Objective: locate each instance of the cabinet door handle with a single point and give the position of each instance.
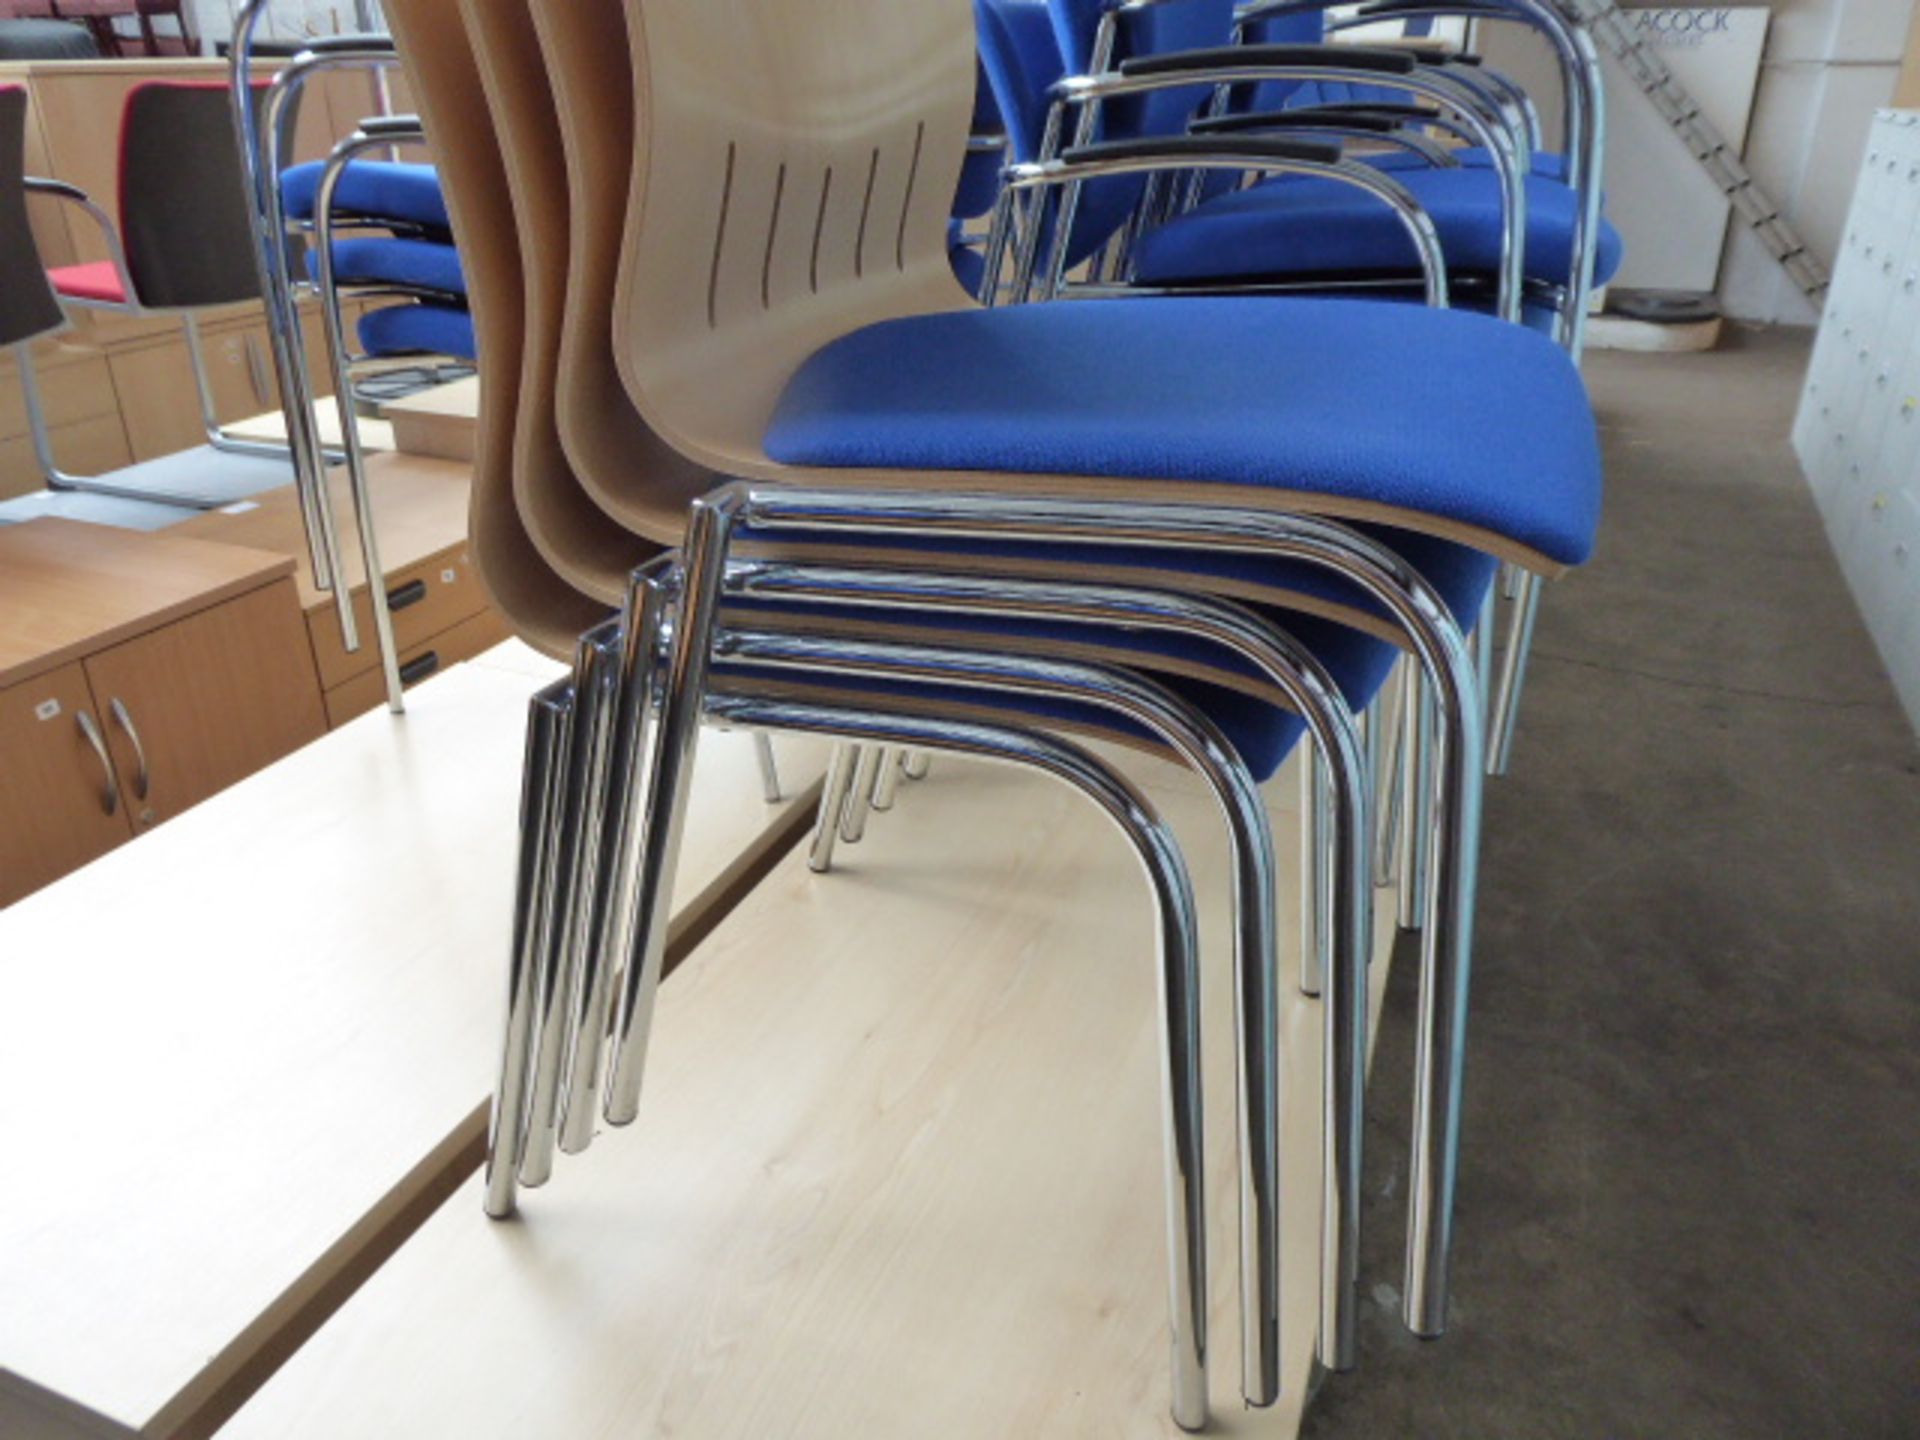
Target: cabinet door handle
(117, 708)
(110, 784)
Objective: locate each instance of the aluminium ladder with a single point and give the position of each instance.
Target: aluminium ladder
(1612, 28)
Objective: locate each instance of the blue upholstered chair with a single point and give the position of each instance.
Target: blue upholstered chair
(1324, 229)
(974, 485)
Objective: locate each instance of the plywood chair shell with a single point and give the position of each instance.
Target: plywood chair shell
(578, 537)
(543, 607)
(636, 476)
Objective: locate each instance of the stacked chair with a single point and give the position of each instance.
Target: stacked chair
(750, 455)
(398, 248)
(1519, 235)
(181, 247)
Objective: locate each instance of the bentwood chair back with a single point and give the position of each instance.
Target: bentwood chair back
(645, 484)
(544, 606)
(569, 522)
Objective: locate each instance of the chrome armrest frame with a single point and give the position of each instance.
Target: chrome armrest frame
(1087, 92)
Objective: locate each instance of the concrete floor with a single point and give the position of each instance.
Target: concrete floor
(1691, 1195)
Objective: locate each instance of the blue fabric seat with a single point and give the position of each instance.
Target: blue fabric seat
(381, 189)
(1300, 227)
(418, 330)
(1437, 412)
(389, 260)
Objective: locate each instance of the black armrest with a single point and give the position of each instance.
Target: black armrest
(1392, 110)
(336, 44)
(1459, 57)
(399, 127)
(1230, 57)
(1205, 147)
(1305, 118)
(42, 185)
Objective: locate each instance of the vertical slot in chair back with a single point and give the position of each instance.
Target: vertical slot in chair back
(794, 172)
(183, 200)
(28, 306)
(546, 611)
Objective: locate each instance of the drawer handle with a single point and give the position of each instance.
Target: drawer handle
(117, 708)
(411, 593)
(419, 668)
(110, 786)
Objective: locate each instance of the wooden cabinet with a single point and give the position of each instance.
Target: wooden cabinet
(440, 610)
(139, 674)
(198, 704)
(82, 414)
(61, 803)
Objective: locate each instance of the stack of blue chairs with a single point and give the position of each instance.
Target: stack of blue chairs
(403, 246)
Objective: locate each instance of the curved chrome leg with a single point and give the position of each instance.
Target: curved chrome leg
(1383, 738)
(540, 786)
(630, 671)
(1205, 750)
(853, 814)
(769, 767)
(1178, 973)
(1458, 763)
(887, 781)
(676, 736)
(1513, 674)
(833, 800)
(1297, 674)
(579, 820)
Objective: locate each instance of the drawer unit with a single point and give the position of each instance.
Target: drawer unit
(425, 599)
(462, 641)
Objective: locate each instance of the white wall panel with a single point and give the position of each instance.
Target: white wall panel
(1857, 431)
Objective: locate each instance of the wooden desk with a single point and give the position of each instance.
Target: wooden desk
(440, 422)
(896, 1172)
(239, 1060)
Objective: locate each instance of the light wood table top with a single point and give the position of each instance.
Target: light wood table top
(896, 1172)
(248, 1052)
(272, 425)
(442, 421)
(68, 588)
(419, 508)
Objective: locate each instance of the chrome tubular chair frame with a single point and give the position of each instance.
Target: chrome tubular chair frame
(1311, 693)
(1449, 783)
(1492, 132)
(563, 749)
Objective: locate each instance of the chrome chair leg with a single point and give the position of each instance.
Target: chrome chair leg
(610, 918)
(914, 764)
(1383, 770)
(1513, 674)
(833, 800)
(769, 767)
(1205, 750)
(541, 782)
(1416, 800)
(887, 781)
(579, 817)
(675, 738)
(1178, 974)
(853, 814)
